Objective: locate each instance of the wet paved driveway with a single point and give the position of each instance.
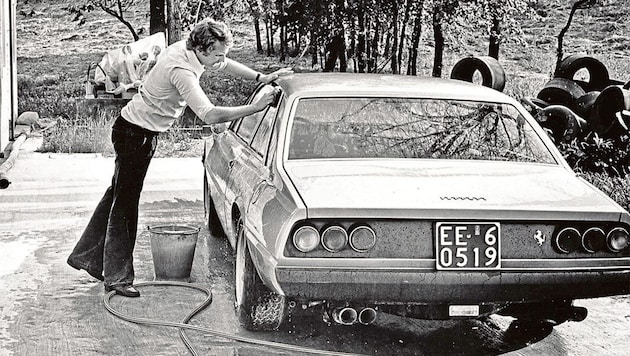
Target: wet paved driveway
(47, 308)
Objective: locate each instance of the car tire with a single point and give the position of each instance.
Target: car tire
(598, 74)
(584, 104)
(533, 105)
(564, 124)
(603, 118)
(257, 307)
(561, 91)
(492, 72)
(212, 221)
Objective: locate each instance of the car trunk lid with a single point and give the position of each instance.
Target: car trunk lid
(445, 189)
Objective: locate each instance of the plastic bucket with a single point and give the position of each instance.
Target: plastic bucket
(173, 249)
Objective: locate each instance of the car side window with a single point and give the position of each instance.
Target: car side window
(248, 124)
(260, 143)
(246, 129)
(235, 124)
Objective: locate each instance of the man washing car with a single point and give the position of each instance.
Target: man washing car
(105, 249)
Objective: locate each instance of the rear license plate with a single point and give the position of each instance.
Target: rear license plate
(468, 245)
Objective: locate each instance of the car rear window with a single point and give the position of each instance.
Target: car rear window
(413, 128)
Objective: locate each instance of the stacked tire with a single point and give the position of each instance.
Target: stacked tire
(491, 72)
(569, 108)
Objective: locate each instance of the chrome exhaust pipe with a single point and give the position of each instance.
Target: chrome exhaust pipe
(367, 316)
(344, 316)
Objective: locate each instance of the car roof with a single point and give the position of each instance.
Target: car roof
(358, 84)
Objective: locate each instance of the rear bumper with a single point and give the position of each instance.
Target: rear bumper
(430, 287)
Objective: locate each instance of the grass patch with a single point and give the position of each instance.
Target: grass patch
(80, 135)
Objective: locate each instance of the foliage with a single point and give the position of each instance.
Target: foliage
(617, 188)
(117, 9)
(49, 95)
(377, 32)
(89, 135)
(478, 16)
(193, 11)
(596, 155)
(79, 135)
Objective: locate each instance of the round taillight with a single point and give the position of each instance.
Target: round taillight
(568, 240)
(334, 238)
(618, 239)
(306, 239)
(593, 240)
(362, 238)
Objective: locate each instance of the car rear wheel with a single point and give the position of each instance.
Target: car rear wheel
(210, 212)
(257, 307)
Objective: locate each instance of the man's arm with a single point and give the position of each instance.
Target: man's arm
(246, 72)
(220, 114)
(192, 93)
(241, 70)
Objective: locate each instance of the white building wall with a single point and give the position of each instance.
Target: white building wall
(8, 71)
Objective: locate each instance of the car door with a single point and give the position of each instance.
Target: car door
(261, 181)
(221, 156)
(224, 150)
(243, 169)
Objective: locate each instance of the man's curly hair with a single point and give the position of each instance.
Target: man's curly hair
(207, 33)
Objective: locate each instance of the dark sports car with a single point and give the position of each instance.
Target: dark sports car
(425, 197)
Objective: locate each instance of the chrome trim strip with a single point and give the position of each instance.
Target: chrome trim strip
(433, 270)
(585, 264)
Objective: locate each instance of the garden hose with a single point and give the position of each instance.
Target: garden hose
(184, 324)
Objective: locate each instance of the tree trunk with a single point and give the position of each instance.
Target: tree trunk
(438, 37)
(157, 13)
(283, 42)
(272, 47)
(352, 52)
(314, 49)
(283, 31)
(268, 35)
(174, 21)
(403, 30)
(495, 32)
(259, 47)
(394, 61)
(412, 64)
(560, 51)
(361, 48)
(374, 48)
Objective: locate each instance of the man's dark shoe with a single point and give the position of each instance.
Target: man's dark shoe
(97, 275)
(125, 291)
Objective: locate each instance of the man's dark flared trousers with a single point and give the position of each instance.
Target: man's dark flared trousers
(108, 241)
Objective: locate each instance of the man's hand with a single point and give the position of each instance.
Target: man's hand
(267, 99)
(268, 78)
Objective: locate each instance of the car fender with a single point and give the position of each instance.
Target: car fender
(264, 260)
